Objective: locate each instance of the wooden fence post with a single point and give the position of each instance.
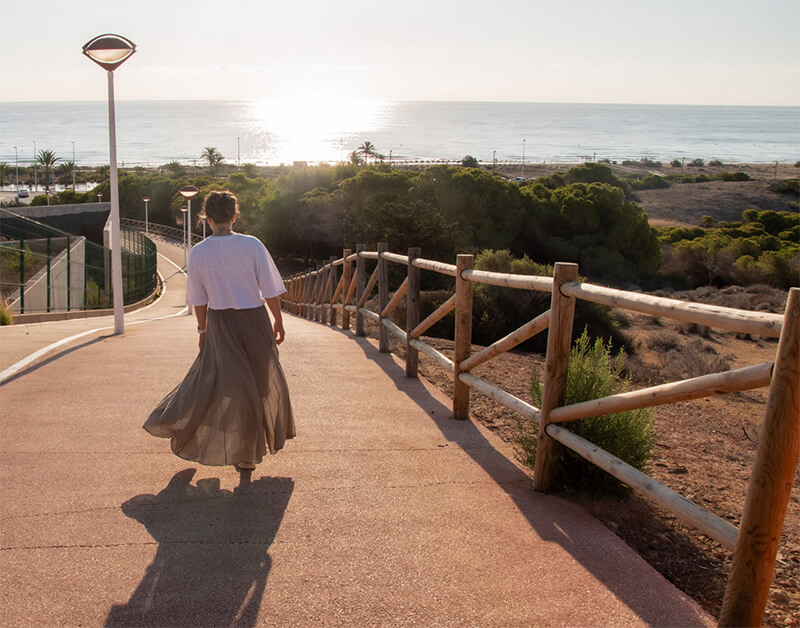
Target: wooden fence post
(333, 280)
(770, 483)
(383, 296)
(559, 341)
(360, 286)
(463, 335)
(308, 282)
(319, 289)
(346, 270)
(323, 294)
(412, 311)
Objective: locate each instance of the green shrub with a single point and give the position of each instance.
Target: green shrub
(468, 161)
(594, 373)
(787, 186)
(5, 314)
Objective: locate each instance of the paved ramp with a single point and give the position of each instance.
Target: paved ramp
(383, 511)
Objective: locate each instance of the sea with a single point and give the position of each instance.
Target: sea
(154, 133)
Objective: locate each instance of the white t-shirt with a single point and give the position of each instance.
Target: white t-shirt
(231, 272)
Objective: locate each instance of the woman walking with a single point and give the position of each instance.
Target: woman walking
(233, 405)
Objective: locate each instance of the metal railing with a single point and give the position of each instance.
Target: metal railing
(43, 269)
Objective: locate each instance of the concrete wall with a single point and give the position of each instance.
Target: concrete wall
(86, 219)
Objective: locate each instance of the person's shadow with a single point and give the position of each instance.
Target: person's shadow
(212, 563)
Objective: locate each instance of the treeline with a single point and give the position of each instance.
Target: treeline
(585, 215)
(763, 248)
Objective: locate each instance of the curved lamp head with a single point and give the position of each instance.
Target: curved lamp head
(109, 51)
(188, 191)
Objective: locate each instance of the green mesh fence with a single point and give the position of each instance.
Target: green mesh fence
(43, 269)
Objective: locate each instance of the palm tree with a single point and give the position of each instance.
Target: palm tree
(212, 156)
(64, 172)
(355, 158)
(47, 159)
(368, 150)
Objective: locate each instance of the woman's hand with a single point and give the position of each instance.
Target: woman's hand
(278, 330)
(201, 341)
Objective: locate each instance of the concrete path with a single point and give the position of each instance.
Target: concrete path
(383, 511)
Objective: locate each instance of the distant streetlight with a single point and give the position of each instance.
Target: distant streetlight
(73, 166)
(109, 52)
(185, 211)
(35, 178)
(523, 159)
(16, 167)
(189, 192)
(146, 200)
(99, 196)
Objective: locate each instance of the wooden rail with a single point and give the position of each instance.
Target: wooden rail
(321, 294)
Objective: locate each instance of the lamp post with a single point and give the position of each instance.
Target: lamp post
(35, 177)
(99, 197)
(73, 166)
(188, 192)
(185, 210)
(146, 200)
(109, 52)
(523, 159)
(16, 167)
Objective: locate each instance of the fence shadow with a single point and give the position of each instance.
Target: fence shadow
(212, 562)
(553, 519)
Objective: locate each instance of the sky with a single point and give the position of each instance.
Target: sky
(706, 52)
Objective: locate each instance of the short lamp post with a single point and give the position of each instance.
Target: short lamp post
(185, 210)
(188, 192)
(16, 168)
(146, 200)
(109, 52)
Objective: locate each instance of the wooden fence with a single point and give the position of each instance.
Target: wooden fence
(334, 294)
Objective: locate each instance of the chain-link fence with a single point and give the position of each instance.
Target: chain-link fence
(43, 269)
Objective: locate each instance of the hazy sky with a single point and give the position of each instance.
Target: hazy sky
(728, 52)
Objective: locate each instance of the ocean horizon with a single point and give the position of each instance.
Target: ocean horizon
(154, 133)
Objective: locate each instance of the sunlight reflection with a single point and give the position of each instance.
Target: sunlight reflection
(312, 127)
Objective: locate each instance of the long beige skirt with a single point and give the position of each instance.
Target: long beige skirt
(233, 405)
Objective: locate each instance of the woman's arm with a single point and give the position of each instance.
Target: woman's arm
(201, 314)
(274, 305)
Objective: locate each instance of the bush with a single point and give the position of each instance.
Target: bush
(5, 314)
(594, 373)
(468, 161)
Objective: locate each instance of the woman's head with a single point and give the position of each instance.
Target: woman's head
(220, 207)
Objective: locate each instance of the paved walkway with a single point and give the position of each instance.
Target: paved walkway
(383, 511)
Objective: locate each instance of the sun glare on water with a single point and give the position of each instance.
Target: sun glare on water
(311, 127)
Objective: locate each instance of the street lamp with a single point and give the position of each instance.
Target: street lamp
(109, 52)
(73, 166)
(99, 197)
(523, 159)
(185, 210)
(16, 167)
(146, 200)
(189, 192)
(35, 178)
